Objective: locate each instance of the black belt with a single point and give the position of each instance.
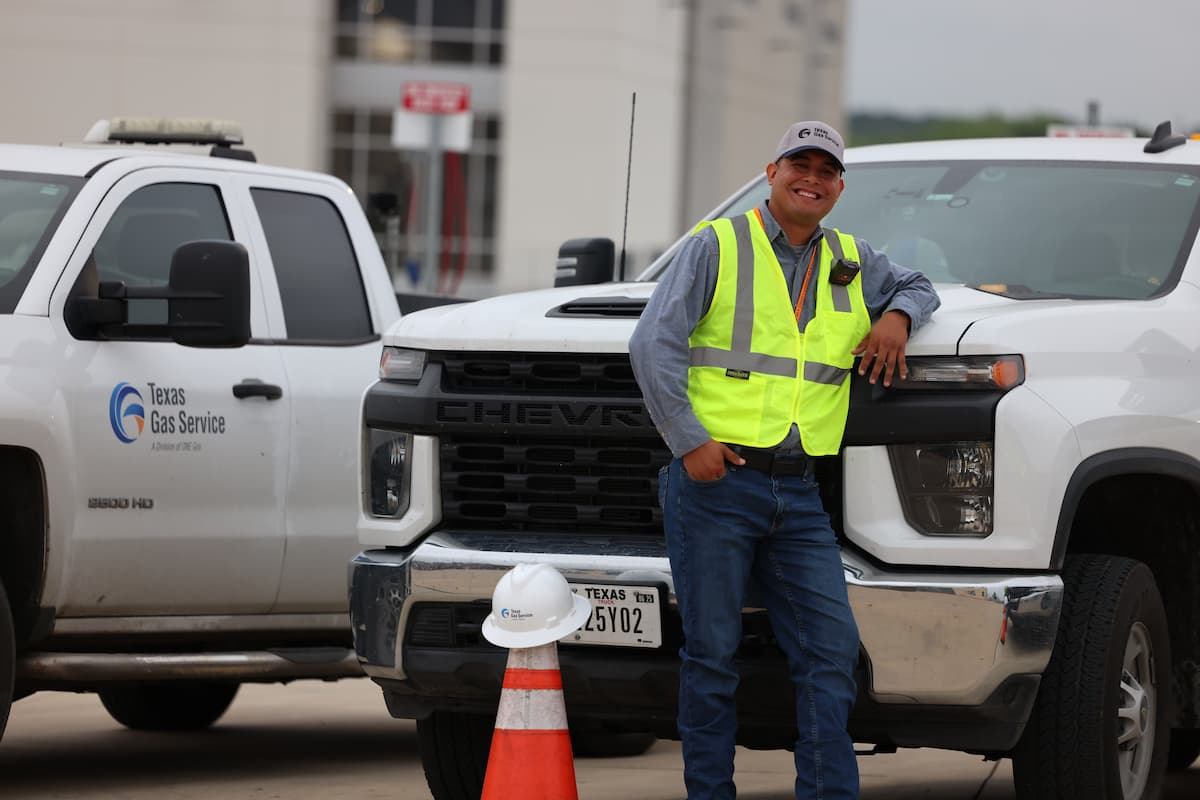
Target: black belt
(772, 461)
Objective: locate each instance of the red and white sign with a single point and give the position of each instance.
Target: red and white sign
(435, 97)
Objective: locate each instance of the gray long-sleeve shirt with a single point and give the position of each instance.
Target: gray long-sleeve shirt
(658, 348)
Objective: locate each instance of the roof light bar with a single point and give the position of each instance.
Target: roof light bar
(163, 130)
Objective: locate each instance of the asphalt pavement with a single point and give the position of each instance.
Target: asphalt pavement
(310, 740)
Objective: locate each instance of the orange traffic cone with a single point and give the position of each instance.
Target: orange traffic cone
(532, 608)
(531, 756)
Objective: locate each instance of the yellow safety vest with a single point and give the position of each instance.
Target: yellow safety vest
(743, 380)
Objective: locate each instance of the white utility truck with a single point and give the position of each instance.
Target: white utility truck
(184, 343)
(1020, 518)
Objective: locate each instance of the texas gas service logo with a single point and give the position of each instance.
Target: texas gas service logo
(126, 412)
(515, 614)
(166, 417)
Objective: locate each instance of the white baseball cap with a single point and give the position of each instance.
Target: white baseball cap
(812, 135)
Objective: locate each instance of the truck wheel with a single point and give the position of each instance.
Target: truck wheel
(1185, 749)
(8, 660)
(167, 706)
(454, 752)
(1101, 724)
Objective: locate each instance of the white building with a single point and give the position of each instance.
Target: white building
(315, 83)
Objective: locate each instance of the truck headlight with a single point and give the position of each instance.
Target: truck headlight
(388, 472)
(401, 364)
(945, 488)
(957, 373)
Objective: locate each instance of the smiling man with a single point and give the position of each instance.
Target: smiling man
(743, 355)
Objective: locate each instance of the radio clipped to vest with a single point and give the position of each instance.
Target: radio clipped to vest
(842, 272)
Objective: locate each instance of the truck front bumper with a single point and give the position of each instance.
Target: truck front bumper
(948, 660)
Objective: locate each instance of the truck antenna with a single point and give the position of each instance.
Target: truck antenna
(628, 173)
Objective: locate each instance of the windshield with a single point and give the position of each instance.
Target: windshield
(1024, 230)
(30, 208)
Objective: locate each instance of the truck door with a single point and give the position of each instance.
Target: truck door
(180, 481)
(330, 349)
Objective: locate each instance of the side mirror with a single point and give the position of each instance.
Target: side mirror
(209, 300)
(583, 262)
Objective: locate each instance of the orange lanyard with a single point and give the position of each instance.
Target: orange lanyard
(804, 287)
(807, 273)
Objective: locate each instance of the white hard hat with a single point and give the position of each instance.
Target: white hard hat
(532, 606)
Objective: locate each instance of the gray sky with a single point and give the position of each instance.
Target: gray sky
(1139, 59)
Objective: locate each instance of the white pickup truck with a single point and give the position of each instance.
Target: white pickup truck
(1020, 519)
(178, 425)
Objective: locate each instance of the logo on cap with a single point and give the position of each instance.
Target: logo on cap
(809, 134)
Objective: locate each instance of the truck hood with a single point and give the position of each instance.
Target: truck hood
(600, 319)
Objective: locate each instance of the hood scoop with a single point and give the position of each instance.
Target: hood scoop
(601, 307)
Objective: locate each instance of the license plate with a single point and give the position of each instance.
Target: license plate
(623, 615)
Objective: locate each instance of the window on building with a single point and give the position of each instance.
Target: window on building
(421, 31)
(434, 34)
(318, 275)
(391, 183)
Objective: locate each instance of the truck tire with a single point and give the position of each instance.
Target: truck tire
(454, 752)
(1100, 727)
(8, 659)
(1185, 749)
(168, 706)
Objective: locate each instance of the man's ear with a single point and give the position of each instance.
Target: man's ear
(772, 168)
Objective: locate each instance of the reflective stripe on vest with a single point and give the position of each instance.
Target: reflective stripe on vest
(743, 381)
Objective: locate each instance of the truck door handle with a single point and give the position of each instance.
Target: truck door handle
(253, 387)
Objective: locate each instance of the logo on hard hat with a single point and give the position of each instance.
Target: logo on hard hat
(515, 613)
(804, 132)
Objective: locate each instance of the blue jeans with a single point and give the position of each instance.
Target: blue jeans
(772, 530)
